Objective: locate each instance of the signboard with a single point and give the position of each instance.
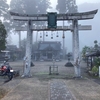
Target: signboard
(52, 20)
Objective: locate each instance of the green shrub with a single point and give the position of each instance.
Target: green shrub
(95, 69)
(97, 62)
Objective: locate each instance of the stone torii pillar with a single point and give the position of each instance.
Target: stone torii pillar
(76, 50)
(28, 50)
(75, 39)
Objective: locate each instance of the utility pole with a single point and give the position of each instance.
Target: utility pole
(19, 34)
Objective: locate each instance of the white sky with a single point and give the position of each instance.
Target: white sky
(90, 1)
(77, 1)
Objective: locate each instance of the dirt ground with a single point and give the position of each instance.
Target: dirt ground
(38, 86)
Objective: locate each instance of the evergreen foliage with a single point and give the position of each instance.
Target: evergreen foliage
(3, 35)
(4, 13)
(66, 6)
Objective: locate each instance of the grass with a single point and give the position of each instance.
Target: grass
(46, 76)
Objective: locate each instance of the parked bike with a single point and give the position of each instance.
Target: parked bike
(6, 70)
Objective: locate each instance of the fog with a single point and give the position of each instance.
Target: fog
(86, 37)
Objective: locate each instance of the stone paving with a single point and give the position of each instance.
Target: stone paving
(59, 91)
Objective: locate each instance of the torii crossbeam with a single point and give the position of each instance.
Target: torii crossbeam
(43, 17)
(59, 28)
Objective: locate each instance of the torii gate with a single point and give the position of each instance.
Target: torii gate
(43, 17)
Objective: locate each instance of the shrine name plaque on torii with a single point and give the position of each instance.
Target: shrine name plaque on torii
(60, 17)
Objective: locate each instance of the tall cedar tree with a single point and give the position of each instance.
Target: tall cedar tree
(3, 8)
(66, 6)
(3, 35)
(4, 13)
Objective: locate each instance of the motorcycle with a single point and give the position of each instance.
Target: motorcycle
(6, 70)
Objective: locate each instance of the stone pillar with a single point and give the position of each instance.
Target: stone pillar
(28, 50)
(76, 46)
(75, 39)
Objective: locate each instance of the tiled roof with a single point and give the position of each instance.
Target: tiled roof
(49, 46)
